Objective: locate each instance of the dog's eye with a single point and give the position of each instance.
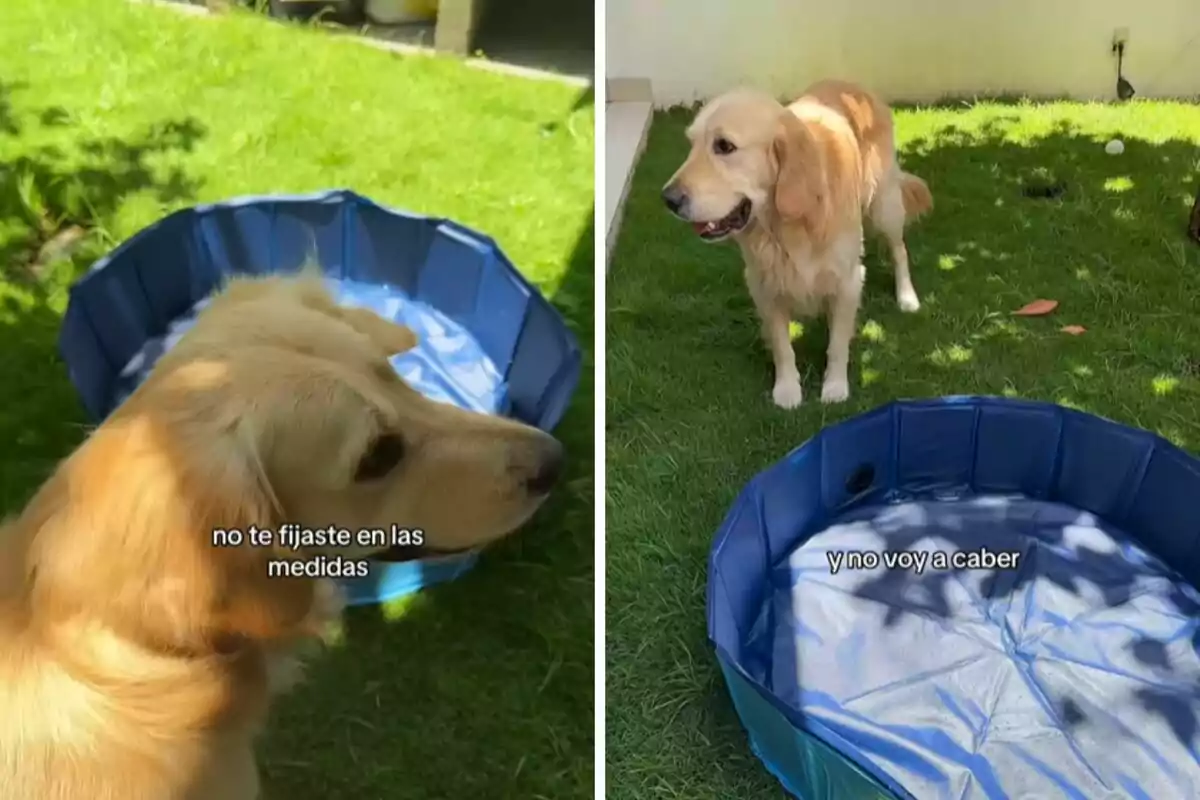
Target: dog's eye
(383, 456)
(723, 147)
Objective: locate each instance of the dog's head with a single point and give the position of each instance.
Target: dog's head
(277, 407)
(347, 442)
(750, 158)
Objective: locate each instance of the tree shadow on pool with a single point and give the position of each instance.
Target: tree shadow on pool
(1063, 552)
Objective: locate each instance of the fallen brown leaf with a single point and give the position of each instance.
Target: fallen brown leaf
(1038, 308)
(1074, 330)
(61, 244)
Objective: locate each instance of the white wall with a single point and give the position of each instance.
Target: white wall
(905, 49)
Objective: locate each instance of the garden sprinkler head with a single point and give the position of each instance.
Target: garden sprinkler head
(1125, 89)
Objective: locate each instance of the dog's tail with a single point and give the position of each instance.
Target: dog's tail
(918, 200)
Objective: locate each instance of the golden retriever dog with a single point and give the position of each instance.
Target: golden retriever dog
(791, 184)
(137, 659)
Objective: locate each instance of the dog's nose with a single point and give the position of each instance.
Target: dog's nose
(675, 199)
(548, 468)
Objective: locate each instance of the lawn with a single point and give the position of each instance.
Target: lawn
(111, 115)
(690, 418)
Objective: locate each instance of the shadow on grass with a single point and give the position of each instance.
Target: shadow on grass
(585, 99)
(54, 205)
(48, 192)
(9, 126)
(1115, 239)
(553, 35)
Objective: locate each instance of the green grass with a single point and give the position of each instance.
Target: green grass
(690, 418)
(113, 114)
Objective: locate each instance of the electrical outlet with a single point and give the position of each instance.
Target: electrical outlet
(1120, 36)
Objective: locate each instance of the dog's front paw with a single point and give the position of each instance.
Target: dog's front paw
(908, 301)
(787, 393)
(835, 390)
(328, 605)
(285, 669)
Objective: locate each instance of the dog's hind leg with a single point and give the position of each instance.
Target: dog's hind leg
(888, 214)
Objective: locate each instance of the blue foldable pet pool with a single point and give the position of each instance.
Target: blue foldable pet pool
(488, 340)
(967, 598)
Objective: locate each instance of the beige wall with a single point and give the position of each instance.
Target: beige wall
(457, 22)
(905, 49)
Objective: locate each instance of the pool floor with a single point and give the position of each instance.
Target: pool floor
(991, 647)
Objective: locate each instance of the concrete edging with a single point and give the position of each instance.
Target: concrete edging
(627, 117)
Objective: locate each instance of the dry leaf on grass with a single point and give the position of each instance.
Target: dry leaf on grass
(1038, 308)
(1074, 330)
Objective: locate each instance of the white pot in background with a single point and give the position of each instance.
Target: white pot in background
(395, 12)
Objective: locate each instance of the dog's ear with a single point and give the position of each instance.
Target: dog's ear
(251, 601)
(129, 532)
(800, 190)
(392, 337)
(307, 288)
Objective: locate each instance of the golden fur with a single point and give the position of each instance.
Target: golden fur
(138, 660)
(792, 186)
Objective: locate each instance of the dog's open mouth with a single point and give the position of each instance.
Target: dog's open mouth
(731, 223)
